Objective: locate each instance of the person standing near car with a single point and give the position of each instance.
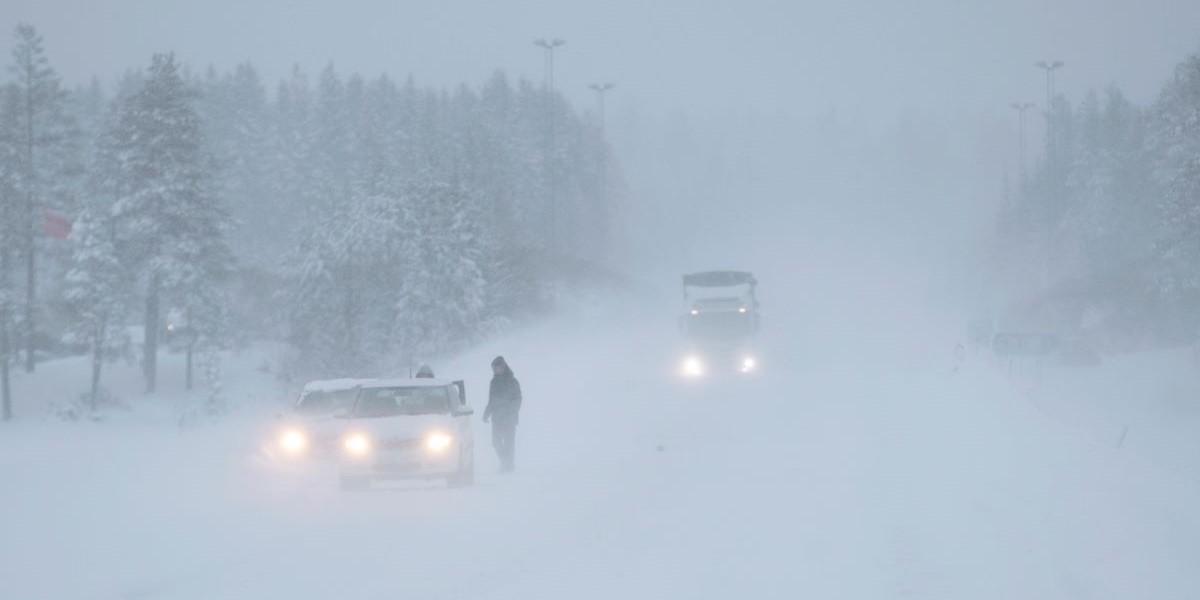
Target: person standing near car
(503, 409)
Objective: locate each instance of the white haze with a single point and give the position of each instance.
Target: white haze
(853, 155)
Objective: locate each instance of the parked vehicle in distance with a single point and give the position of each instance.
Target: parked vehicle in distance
(311, 428)
(720, 325)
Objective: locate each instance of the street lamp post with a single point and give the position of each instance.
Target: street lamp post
(1054, 177)
(548, 47)
(1021, 107)
(1050, 66)
(601, 89)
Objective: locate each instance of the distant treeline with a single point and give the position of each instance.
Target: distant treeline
(1103, 239)
(368, 222)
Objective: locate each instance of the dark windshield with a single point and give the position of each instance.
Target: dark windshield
(384, 402)
(319, 402)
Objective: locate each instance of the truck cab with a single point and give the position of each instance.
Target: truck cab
(720, 323)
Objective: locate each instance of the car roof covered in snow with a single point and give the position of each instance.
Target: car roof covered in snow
(333, 385)
(405, 382)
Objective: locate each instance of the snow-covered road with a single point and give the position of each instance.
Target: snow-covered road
(842, 480)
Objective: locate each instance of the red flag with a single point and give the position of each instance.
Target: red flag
(55, 224)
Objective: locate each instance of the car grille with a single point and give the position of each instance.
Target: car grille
(409, 444)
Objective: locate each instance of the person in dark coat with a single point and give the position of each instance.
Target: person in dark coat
(503, 411)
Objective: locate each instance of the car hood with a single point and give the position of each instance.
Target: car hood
(399, 426)
(326, 423)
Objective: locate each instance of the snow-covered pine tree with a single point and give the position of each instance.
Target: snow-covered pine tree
(441, 300)
(234, 115)
(290, 149)
(343, 273)
(46, 138)
(9, 174)
(1104, 217)
(328, 157)
(96, 291)
(168, 213)
(1174, 143)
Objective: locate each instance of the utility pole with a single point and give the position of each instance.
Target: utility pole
(1021, 107)
(601, 89)
(1050, 66)
(548, 47)
(1054, 177)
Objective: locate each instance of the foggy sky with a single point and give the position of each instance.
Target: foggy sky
(741, 127)
(858, 56)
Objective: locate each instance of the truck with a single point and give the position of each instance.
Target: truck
(720, 324)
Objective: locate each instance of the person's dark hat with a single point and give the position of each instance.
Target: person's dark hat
(500, 362)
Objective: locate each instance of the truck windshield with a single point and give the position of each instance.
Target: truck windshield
(386, 402)
(321, 402)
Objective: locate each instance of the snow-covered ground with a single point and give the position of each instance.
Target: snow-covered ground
(868, 478)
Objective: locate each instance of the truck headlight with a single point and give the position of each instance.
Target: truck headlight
(438, 442)
(693, 366)
(357, 444)
(293, 441)
(749, 364)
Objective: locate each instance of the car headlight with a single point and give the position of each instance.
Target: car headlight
(293, 441)
(438, 442)
(693, 366)
(357, 444)
(749, 364)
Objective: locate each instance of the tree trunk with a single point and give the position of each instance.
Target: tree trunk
(28, 237)
(5, 340)
(97, 362)
(150, 345)
(191, 345)
(5, 391)
(190, 351)
(30, 296)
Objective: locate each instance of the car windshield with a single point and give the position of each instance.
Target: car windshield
(384, 402)
(320, 402)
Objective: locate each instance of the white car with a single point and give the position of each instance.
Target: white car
(407, 429)
(311, 428)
